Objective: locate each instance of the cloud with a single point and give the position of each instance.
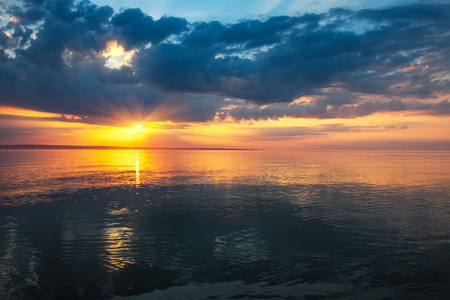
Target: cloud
(320, 109)
(135, 29)
(299, 132)
(248, 34)
(305, 57)
(51, 59)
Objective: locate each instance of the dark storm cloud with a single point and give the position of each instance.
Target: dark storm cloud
(51, 60)
(247, 33)
(104, 96)
(63, 72)
(306, 57)
(78, 92)
(3, 57)
(6, 41)
(29, 13)
(81, 28)
(319, 109)
(135, 29)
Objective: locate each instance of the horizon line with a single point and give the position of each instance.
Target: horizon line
(93, 147)
(98, 147)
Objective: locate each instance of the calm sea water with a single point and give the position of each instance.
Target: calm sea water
(100, 224)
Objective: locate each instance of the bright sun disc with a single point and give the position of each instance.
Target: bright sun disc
(138, 125)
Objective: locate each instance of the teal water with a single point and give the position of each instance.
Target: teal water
(101, 224)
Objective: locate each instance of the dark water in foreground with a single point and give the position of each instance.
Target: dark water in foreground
(100, 224)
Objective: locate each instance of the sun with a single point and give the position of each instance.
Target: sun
(138, 126)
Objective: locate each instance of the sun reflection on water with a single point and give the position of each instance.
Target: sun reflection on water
(32, 173)
(117, 247)
(138, 174)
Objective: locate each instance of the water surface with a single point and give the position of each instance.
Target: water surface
(100, 224)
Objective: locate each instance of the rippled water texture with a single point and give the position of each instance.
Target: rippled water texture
(99, 224)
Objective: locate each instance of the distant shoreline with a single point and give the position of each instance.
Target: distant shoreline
(66, 147)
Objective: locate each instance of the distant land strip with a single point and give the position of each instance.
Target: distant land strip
(117, 147)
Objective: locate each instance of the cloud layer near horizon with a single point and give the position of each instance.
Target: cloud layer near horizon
(341, 63)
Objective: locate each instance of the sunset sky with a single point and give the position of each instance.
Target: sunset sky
(249, 74)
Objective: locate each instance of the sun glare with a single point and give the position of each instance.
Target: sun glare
(138, 126)
(116, 55)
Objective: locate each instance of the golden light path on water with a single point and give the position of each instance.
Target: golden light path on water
(23, 175)
(138, 174)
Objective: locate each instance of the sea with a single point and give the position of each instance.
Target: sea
(212, 224)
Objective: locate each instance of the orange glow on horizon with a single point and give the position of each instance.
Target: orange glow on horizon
(379, 130)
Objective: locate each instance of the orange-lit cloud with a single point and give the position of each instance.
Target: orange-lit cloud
(14, 19)
(7, 34)
(14, 111)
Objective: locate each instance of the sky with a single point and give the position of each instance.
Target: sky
(311, 75)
